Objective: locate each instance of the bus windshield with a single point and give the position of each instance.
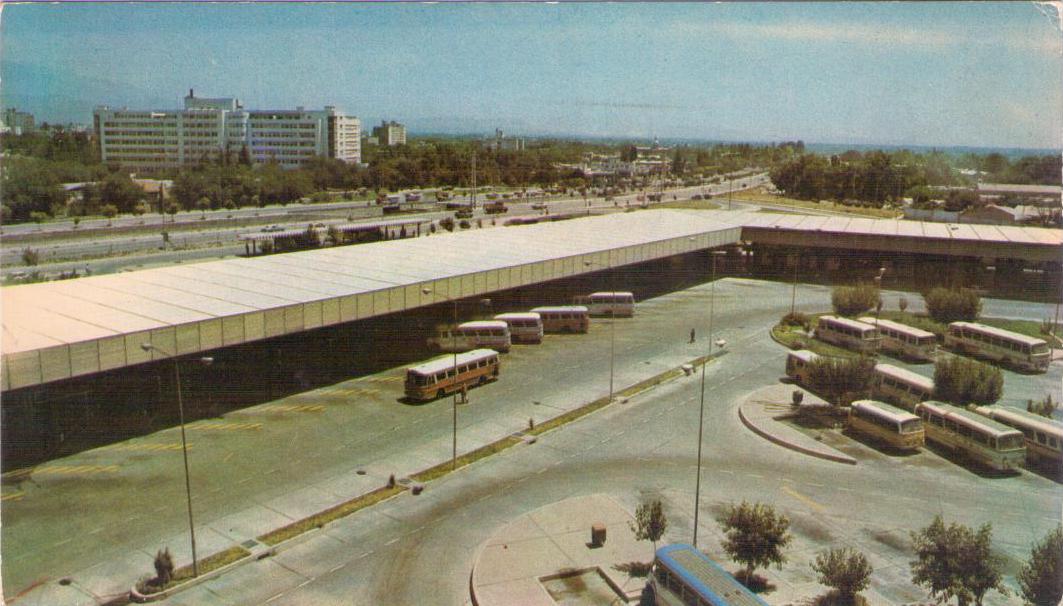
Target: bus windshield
(911, 426)
(1009, 442)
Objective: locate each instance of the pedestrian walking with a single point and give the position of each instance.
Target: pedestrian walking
(691, 335)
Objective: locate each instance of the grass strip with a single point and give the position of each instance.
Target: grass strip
(329, 515)
(795, 338)
(207, 564)
(468, 458)
(759, 196)
(695, 204)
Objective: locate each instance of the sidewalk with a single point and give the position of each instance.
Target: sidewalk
(763, 410)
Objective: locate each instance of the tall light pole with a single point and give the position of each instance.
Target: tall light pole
(793, 291)
(184, 443)
(454, 406)
(701, 408)
(878, 286)
(612, 323)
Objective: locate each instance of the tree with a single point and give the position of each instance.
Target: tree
(841, 380)
(854, 300)
(756, 536)
(947, 305)
(118, 189)
(650, 523)
(963, 381)
(163, 567)
(1044, 407)
(109, 210)
(629, 153)
(1041, 578)
(955, 562)
(959, 200)
(31, 256)
(845, 570)
(902, 304)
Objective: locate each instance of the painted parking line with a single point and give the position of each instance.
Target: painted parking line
(64, 470)
(806, 500)
(144, 447)
(387, 379)
(222, 426)
(12, 496)
(272, 408)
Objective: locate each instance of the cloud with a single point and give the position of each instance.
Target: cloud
(1046, 42)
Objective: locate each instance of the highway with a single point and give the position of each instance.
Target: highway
(259, 467)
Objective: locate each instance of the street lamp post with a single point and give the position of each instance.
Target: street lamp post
(701, 407)
(612, 324)
(793, 291)
(184, 444)
(878, 286)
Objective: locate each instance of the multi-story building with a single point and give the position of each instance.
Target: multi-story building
(18, 123)
(503, 143)
(207, 129)
(390, 133)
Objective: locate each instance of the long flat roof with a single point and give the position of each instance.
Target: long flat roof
(57, 330)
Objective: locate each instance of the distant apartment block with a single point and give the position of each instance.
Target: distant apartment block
(390, 133)
(503, 143)
(18, 123)
(207, 129)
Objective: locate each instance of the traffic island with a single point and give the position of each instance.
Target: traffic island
(578, 549)
(765, 410)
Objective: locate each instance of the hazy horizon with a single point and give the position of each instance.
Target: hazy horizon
(900, 75)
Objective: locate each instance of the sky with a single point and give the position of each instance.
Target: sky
(948, 74)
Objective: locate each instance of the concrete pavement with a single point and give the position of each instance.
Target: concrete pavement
(764, 411)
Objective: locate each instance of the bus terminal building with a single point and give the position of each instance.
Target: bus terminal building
(74, 357)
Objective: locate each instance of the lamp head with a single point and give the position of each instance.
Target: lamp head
(147, 346)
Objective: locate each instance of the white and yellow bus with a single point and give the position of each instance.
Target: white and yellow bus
(447, 374)
(1044, 437)
(900, 386)
(683, 576)
(1028, 353)
(895, 427)
(613, 304)
(493, 334)
(847, 333)
(980, 438)
(524, 327)
(904, 340)
(797, 363)
(564, 318)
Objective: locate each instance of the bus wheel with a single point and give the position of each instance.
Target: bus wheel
(440, 393)
(483, 379)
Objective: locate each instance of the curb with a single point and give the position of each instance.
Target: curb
(143, 598)
(837, 458)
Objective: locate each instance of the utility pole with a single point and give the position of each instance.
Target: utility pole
(473, 178)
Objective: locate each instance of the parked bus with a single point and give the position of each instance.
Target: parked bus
(1028, 353)
(797, 363)
(1044, 436)
(523, 327)
(565, 318)
(904, 340)
(847, 333)
(901, 386)
(895, 427)
(496, 207)
(471, 335)
(451, 373)
(613, 304)
(413, 197)
(992, 444)
(683, 576)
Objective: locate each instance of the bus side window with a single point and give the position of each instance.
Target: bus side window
(1040, 438)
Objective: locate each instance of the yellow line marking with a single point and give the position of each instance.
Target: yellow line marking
(142, 447)
(13, 496)
(284, 408)
(225, 426)
(800, 497)
(74, 470)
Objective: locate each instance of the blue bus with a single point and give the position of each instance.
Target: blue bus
(683, 576)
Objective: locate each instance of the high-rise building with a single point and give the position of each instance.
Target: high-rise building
(207, 129)
(503, 143)
(18, 123)
(390, 133)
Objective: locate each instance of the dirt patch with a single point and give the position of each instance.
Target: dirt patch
(810, 528)
(894, 539)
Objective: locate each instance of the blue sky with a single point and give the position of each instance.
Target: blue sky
(890, 73)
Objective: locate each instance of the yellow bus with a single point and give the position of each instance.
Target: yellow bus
(847, 333)
(564, 318)
(894, 427)
(1028, 353)
(446, 374)
(1044, 437)
(900, 386)
(493, 334)
(524, 327)
(797, 363)
(613, 304)
(904, 340)
(982, 439)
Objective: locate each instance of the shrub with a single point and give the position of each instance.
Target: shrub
(963, 381)
(953, 304)
(163, 566)
(109, 210)
(1048, 327)
(841, 380)
(853, 300)
(464, 224)
(845, 570)
(796, 319)
(797, 397)
(38, 216)
(447, 223)
(31, 256)
(1044, 407)
(902, 304)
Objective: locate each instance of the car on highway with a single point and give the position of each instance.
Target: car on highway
(272, 228)
(464, 213)
(539, 206)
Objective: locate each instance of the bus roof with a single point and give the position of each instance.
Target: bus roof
(561, 309)
(968, 418)
(905, 375)
(483, 324)
(804, 354)
(448, 361)
(847, 322)
(519, 315)
(1017, 416)
(1000, 333)
(615, 293)
(902, 328)
(704, 575)
(885, 411)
